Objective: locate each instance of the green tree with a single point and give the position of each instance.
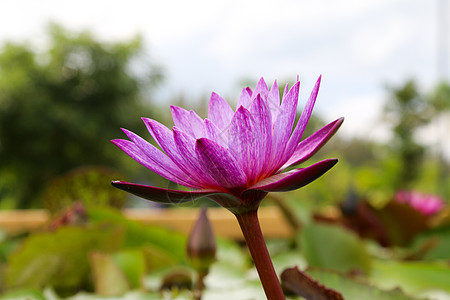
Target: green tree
(407, 110)
(60, 107)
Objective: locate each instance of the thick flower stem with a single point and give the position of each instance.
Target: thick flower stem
(255, 241)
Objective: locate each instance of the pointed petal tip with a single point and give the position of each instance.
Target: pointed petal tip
(318, 81)
(126, 131)
(115, 141)
(295, 179)
(337, 124)
(115, 183)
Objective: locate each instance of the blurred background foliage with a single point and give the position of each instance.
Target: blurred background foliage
(61, 104)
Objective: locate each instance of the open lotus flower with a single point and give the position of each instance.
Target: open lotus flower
(234, 158)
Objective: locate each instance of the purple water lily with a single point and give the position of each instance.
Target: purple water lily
(426, 204)
(234, 157)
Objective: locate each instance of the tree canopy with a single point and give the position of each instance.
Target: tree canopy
(60, 106)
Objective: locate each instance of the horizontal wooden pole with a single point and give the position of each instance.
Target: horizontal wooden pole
(272, 221)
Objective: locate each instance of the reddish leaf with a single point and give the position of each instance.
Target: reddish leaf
(299, 283)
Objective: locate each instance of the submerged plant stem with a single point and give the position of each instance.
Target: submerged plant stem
(255, 241)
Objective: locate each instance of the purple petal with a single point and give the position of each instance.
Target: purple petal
(182, 119)
(286, 90)
(160, 133)
(294, 179)
(282, 126)
(186, 147)
(263, 123)
(219, 111)
(152, 158)
(261, 88)
(197, 124)
(212, 132)
(273, 100)
(303, 121)
(220, 164)
(245, 99)
(245, 142)
(309, 146)
(161, 195)
(164, 137)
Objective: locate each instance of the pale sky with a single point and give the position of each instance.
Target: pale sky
(205, 46)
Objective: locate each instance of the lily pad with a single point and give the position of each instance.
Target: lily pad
(353, 289)
(413, 277)
(59, 258)
(334, 247)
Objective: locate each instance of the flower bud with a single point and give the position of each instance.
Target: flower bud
(201, 246)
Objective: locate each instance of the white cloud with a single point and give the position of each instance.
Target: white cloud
(363, 115)
(373, 44)
(210, 45)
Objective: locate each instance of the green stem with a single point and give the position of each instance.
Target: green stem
(255, 241)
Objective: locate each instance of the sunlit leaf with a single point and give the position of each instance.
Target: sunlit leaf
(413, 277)
(353, 289)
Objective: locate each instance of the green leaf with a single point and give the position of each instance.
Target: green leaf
(133, 295)
(287, 259)
(333, 247)
(133, 265)
(137, 235)
(23, 295)
(413, 277)
(439, 239)
(157, 258)
(353, 289)
(60, 258)
(136, 263)
(109, 280)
